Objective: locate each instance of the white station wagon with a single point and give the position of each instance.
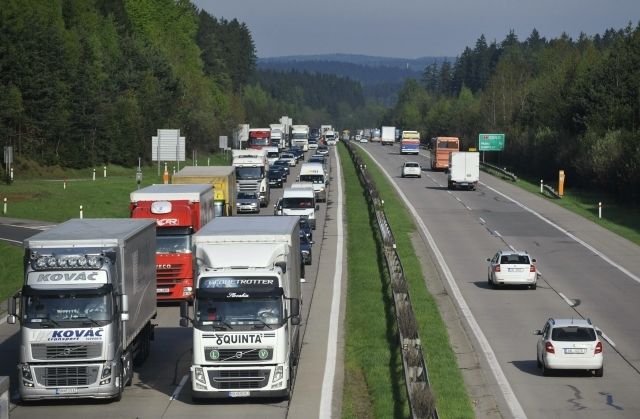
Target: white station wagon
(509, 267)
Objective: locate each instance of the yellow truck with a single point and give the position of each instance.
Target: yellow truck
(223, 179)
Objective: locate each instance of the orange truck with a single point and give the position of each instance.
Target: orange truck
(441, 148)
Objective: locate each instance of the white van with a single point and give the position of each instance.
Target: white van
(315, 174)
(300, 200)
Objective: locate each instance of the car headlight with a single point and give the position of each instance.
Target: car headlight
(305, 252)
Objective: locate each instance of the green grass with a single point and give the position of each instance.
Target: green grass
(374, 381)
(10, 270)
(452, 400)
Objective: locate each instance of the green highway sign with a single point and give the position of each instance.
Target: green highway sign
(491, 142)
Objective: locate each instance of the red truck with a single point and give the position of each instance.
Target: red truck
(259, 138)
(179, 211)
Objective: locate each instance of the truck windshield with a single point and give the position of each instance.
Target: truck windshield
(312, 178)
(300, 136)
(293, 203)
(239, 313)
(259, 141)
(54, 310)
(168, 241)
(245, 173)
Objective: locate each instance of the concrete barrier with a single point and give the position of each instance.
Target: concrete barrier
(4, 397)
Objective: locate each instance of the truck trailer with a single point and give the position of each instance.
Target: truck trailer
(179, 211)
(86, 306)
(221, 178)
(247, 307)
(388, 136)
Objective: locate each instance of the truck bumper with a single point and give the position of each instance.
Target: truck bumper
(239, 382)
(173, 291)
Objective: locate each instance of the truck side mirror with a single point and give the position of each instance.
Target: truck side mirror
(184, 311)
(537, 332)
(184, 322)
(124, 304)
(317, 207)
(295, 308)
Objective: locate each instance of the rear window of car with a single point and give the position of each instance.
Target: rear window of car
(573, 334)
(515, 259)
(411, 165)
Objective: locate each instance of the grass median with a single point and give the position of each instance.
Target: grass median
(452, 400)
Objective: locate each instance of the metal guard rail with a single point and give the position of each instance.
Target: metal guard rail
(490, 167)
(421, 400)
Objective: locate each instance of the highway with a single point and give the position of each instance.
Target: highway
(586, 271)
(161, 386)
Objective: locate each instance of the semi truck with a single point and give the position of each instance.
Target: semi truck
(251, 173)
(463, 170)
(221, 178)
(388, 136)
(179, 211)
(300, 136)
(259, 138)
(300, 200)
(277, 135)
(85, 308)
(246, 313)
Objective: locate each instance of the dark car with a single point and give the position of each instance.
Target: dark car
(305, 227)
(276, 177)
(305, 248)
(298, 152)
(282, 163)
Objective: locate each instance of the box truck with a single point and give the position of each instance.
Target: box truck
(85, 308)
(179, 211)
(463, 170)
(251, 173)
(300, 136)
(388, 136)
(221, 178)
(246, 313)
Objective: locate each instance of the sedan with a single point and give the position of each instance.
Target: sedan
(323, 149)
(276, 177)
(508, 267)
(247, 202)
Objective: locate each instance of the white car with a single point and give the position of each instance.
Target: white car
(570, 344)
(411, 169)
(364, 139)
(508, 267)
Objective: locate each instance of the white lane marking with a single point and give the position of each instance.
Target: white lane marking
(512, 248)
(481, 220)
(562, 230)
(178, 389)
(608, 339)
(43, 227)
(496, 233)
(566, 300)
(503, 383)
(10, 240)
(326, 397)
(467, 207)
(458, 199)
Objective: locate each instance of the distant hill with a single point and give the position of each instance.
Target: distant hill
(381, 77)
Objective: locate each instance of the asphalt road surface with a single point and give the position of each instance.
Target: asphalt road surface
(586, 271)
(161, 386)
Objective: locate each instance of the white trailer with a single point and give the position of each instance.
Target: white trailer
(388, 136)
(247, 307)
(85, 308)
(463, 170)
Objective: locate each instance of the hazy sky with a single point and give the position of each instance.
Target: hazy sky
(412, 28)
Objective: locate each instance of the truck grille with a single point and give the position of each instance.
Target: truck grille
(86, 351)
(239, 379)
(238, 355)
(66, 376)
(171, 275)
(248, 187)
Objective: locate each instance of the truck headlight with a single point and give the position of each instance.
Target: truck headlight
(199, 375)
(277, 375)
(26, 373)
(187, 291)
(106, 371)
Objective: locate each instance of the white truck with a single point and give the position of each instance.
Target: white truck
(330, 137)
(247, 307)
(300, 200)
(277, 135)
(273, 154)
(86, 307)
(315, 174)
(300, 136)
(388, 136)
(324, 128)
(251, 173)
(463, 170)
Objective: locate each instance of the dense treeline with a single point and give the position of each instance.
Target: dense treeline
(89, 82)
(562, 103)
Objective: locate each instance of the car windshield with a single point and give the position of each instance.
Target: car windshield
(282, 162)
(573, 334)
(50, 310)
(272, 154)
(249, 172)
(515, 259)
(292, 203)
(239, 313)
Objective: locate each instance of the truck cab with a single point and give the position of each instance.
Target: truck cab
(251, 173)
(315, 174)
(300, 200)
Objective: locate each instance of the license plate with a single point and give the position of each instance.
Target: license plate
(70, 390)
(464, 184)
(574, 350)
(162, 290)
(239, 393)
(515, 270)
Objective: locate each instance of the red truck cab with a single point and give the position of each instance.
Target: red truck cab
(179, 211)
(259, 138)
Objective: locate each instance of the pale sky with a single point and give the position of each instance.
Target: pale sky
(412, 28)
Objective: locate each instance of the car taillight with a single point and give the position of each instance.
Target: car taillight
(548, 347)
(496, 268)
(598, 348)
(532, 268)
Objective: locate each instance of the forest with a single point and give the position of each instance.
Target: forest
(563, 103)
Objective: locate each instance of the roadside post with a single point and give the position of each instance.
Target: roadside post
(165, 175)
(541, 186)
(105, 171)
(81, 212)
(599, 209)
(561, 183)
(94, 174)
(4, 206)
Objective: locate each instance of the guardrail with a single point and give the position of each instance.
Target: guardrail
(488, 167)
(421, 400)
